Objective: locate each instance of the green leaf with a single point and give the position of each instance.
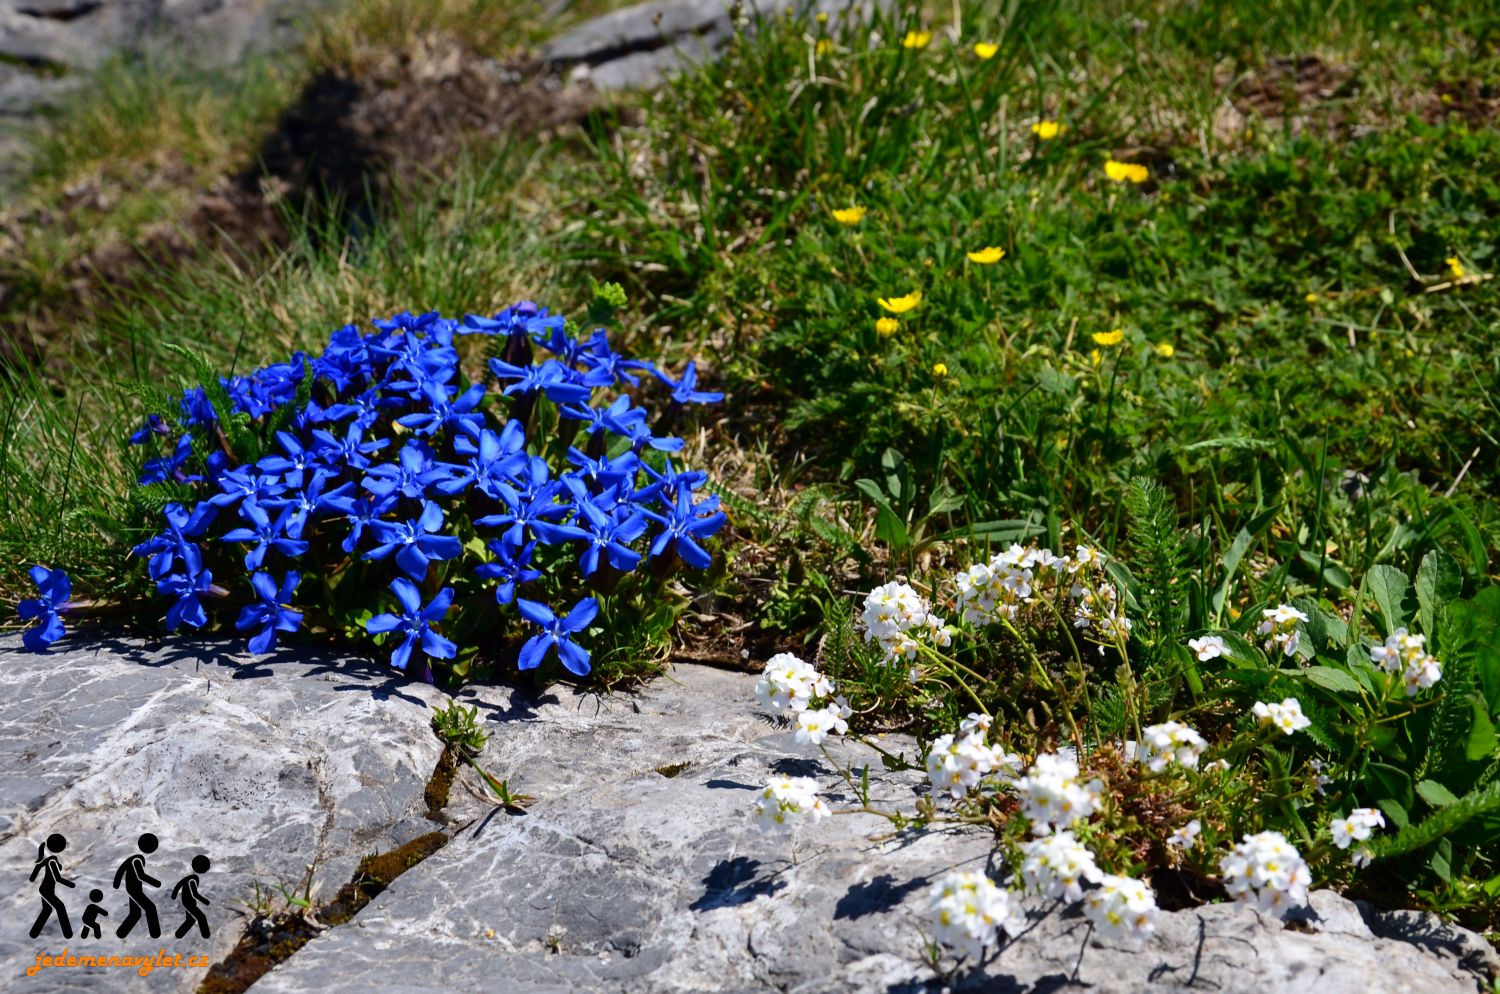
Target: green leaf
(1389, 782)
(1333, 574)
(1331, 679)
(1388, 586)
(1482, 741)
(1439, 581)
(1435, 793)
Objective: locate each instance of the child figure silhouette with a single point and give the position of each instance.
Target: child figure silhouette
(51, 870)
(92, 914)
(187, 887)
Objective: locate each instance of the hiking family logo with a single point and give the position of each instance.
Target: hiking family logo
(138, 908)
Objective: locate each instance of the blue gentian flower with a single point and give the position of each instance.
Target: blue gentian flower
(290, 467)
(413, 541)
(410, 476)
(245, 484)
(265, 533)
(684, 526)
(557, 632)
(414, 622)
(163, 468)
(685, 390)
(442, 410)
(603, 533)
(188, 586)
(308, 501)
(607, 367)
(361, 511)
(351, 451)
(510, 568)
(269, 613)
(54, 588)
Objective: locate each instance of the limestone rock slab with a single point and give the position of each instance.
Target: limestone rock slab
(263, 765)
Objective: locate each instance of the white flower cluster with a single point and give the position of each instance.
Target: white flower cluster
(1279, 625)
(1266, 871)
(1056, 865)
(969, 911)
(787, 802)
(1407, 654)
(1121, 908)
(1185, 836)
(1286, 716)
(1051, 795)
(1357, 827)
(998, 589)
(898, 617)
(791, 685)
(1171, 742)
(957, 764)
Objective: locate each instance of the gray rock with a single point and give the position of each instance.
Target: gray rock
(639, 46)
(265, 767)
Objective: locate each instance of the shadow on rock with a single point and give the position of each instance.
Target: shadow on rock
(874, 896)
(733, 882)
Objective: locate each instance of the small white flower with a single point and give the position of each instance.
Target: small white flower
(1057, 865)
(1171, 741)
(956, 765)
(815, 726)
(1052, 797)
(1286, 716)
(969, 912)
(1185, 836)
(1321, 780)
(1207, 647)
(1267, 872)
(1121, 908)
(1280, 625)
(787, 802)
(1357, 827)
(789, 684)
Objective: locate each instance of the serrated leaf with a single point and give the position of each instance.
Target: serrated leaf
(1388, 587)
(1439, 581)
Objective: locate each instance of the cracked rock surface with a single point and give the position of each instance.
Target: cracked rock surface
(637, 868)
(264, 766)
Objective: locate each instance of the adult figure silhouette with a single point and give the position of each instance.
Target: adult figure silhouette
(133, 873)
(188, 888)
(50, 868)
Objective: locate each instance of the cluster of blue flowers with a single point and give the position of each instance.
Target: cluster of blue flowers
(378, 458)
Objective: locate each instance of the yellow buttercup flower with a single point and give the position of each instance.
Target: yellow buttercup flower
(986, 256)
(900, 305)
(1165, 349)
(822, 17)
(885, 327)
(1311, 298)
(916, 39)
(1094, 356)
(849, 215)
(1048, 130)
(824, 46)
(939, 370)
(1122, 171)
(1455, 268)
(1109, 337)
(985, 50)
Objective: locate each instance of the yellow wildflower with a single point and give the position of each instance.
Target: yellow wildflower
(885, 327)
(1311, 298)
(849, 215)
(1109, 337)
(1094, 356)
(939, 370)
(824, 46)
(985, 50)
(1122, 171)
(916, 39)
(1048, 130)
(1455, 268)
(986, 256)
(900, 305)
(1165, 349)
(822, 17)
